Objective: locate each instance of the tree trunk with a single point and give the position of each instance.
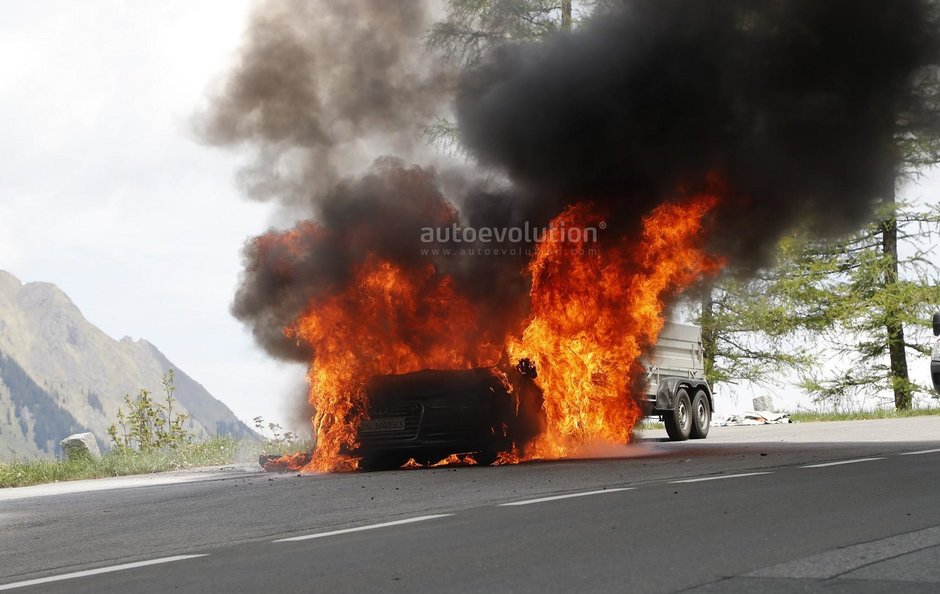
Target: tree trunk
(900, 381)
(566, 15)
(709, 332)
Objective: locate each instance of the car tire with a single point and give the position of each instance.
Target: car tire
(381, 462)
(486, 457)
(679, 421)
(701, 415)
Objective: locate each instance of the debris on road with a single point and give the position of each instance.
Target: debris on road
(285, 463)
(751, 417)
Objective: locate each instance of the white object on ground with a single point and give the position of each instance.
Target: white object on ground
(763, 403)
(80, 445)
(751, 417)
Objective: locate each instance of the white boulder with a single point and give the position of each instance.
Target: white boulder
(80, 445)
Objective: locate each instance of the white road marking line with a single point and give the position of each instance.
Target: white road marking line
(568, 496)
(719, 477)
(854, 561)
(920, 452)
(361, 528)
(100, 570)
(841, 462)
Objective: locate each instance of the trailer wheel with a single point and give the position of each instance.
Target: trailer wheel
(701, 415)
(679, 421)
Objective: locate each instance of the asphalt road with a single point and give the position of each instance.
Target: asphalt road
(849, 507)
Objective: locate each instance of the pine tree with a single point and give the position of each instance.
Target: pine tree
(851, 300)
(473, 28)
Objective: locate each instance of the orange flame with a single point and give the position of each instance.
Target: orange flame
(389, 321)
(455, 460)
(594, 312)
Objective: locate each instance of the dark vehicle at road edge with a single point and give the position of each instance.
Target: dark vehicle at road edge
(428, 415)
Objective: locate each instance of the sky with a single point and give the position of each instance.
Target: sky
(106, 192)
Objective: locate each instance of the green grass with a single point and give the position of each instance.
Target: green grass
(280, 447)
(211, 452)
(861, 415)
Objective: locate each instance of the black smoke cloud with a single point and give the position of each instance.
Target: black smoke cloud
(795, 104)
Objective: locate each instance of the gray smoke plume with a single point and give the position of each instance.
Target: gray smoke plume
(796, 105)
(318, 85)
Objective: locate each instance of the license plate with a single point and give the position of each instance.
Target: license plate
(382, 424)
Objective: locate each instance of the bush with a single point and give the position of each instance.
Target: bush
(148, 425)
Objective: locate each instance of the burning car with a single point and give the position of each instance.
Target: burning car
(431, 414)
(501, 413)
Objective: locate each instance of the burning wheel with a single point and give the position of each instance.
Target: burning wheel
(486, 457)
(382, 462)
(701, 415)
(490, 448)
(679, 421)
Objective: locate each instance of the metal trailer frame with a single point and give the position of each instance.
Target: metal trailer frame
(676, 363)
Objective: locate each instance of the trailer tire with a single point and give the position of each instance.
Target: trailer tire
(679, 421)
(701, 415)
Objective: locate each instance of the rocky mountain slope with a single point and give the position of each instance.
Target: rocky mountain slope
(60, 374)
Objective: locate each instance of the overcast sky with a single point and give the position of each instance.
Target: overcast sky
(105, 192)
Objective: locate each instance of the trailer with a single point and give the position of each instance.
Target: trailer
(676, 390)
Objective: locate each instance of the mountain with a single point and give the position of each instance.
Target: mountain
(60, 374)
